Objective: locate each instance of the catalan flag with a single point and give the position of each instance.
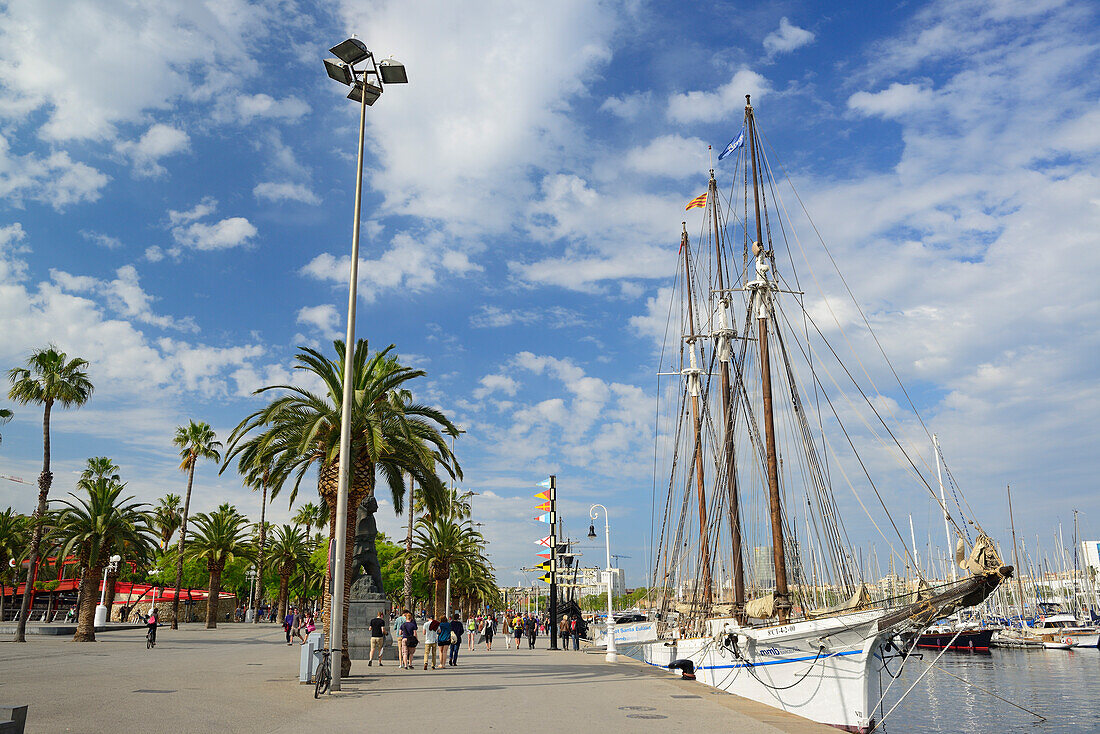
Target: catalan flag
(698, 202)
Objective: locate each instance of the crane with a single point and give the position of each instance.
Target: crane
(14, 479)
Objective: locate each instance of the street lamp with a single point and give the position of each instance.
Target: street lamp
(364, 86)
(101, 608)
(250, 613)
(611, 656)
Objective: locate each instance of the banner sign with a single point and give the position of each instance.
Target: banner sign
(635, 632)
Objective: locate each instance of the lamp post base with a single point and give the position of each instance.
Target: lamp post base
(611, 656)
(100, 615)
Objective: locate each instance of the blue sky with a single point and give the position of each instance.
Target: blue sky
(177, 184)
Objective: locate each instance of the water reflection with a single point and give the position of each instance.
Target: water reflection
(1062, 685)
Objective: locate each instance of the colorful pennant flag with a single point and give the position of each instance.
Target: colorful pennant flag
(544, 542)
(546, 565)
(545, 483)
(543, 506)
(543, 495)
(544, 555)
(545, 517)
(546, 578)
(698, 202)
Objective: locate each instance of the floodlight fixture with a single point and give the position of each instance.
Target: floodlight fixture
(365, 89)
(339, 72)
(351, 51)
(393, 71)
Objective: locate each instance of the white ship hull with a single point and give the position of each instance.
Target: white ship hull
(824, 670)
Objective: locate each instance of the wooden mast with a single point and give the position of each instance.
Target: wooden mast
(762, 298)
(693, 389)
(727, 411)
(1015, 557)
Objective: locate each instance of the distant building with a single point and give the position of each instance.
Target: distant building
(594, 581)
(1090, 557)
(763, 566)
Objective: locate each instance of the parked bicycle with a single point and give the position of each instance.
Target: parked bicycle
(323, 675)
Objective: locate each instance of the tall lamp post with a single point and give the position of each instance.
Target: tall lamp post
(366, 87)
(612, 656)
(101, 608)
(250, 613)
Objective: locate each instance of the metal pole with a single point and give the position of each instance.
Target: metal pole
(943, 501)
(553, 606)
(611, 656)
(336, 616)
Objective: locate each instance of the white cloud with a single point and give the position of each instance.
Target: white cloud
(285, 191)
(628, 106)
(554, 317)
(325, 318)
(411, 263)
(157, 142)
(189, 231)
(56, 180)
(786, 38)
(896, 100)
(445, 167)
(698, 106)
(495, 383)
(670, 155)
(123, 295)
(252, 106)
(103, 240)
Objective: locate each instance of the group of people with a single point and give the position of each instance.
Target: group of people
(298, 625)
(442, 640)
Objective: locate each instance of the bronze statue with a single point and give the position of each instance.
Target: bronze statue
(366, 577)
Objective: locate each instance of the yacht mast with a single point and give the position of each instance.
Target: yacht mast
(1015, 557)
(724, 335)
(761, 299)
(943, 504)
(693, 374)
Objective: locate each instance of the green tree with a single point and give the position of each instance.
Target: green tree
(167, 516)
(93, 529)
(441, 545)
(196, 441)
(390, 437)
(217, 538)
(49, 378)
(289, 552)
(13, 544)
(5, 416)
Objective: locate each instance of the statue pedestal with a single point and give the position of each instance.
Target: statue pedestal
(360, 613)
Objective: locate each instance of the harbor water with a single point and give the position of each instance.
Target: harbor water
(1061, 685)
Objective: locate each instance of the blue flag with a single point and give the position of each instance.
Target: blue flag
(544, 483)
(734, 145)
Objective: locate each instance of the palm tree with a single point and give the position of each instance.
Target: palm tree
(5, 416)
(391, 436)
(94, 528)
(49, 378)
(218, 538)
(167, 516)
(13, 544)
(289, 551)
(441, 545)
(196, 441)
(309, 516)
(100, 467)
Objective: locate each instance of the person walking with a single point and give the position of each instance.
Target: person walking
(471, 628)
(563, 632)
(578, 630)
(431, 641)
(444, 640)
(456, 638)
(506, 629)
(288, 624)
(517, 629)
(377, 637)
(488, 631)
(306, 625)
(532, 627)
(407, 636)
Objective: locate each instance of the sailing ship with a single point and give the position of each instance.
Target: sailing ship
(749, 507)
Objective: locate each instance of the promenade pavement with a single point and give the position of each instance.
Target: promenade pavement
(243, 678)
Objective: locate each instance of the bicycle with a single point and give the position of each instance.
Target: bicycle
(323, 675)
(150, 642)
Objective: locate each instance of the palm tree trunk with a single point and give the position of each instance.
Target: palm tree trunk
(440, 597)
(85, 616)
(213, 597)
(45, 479)
(284, 584)
(354, 498)
(179, 547)
(260, 558)
(407, 589)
